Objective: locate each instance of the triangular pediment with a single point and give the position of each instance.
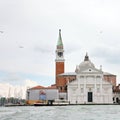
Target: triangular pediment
(91, 70)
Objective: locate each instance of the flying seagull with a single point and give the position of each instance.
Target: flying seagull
(1, 32)
(21, 47)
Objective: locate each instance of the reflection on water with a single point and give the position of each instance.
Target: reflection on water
(79, 112)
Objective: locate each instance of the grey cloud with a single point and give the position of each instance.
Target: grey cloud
(110, 55)
(71, 48)
(12, 78)
(41, 49)
(44, 49)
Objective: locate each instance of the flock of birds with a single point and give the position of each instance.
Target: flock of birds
(19, 46)
(23, 47)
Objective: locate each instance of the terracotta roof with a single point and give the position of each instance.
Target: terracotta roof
(50, 87)
(37, 87)
(41, 87)
(53, 85)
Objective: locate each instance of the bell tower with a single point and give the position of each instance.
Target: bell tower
(59, 61)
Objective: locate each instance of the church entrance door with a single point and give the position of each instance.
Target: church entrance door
(90, 97)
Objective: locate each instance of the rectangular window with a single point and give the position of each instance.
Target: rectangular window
(98, 90)
(81, 90)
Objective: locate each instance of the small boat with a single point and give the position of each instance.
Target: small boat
(60, 103)
(52, 103)
(40, 104)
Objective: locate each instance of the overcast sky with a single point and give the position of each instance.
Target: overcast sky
(30, 33)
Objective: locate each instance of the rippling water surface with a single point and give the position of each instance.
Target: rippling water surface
(79, 112)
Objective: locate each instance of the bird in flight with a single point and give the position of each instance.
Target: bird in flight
(21, 47)
(1, 32)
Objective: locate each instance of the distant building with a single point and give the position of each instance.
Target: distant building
(116, 94)
(89, 86)
(86, 85)
(41, 94)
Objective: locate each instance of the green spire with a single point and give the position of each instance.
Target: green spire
(59, 43)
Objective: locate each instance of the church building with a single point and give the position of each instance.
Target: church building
(89, 86)
(86, 85)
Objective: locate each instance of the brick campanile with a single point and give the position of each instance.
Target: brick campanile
(59, 63)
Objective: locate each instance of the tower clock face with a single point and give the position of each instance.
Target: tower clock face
(60, 54)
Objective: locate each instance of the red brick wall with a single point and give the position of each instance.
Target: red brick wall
(111, 79)
(62, 82)
(59, 70)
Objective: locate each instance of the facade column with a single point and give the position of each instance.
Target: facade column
(95, 89)
(85, 97)
(101, 87)
(79, 91)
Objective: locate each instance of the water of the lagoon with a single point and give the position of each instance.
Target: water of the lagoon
(79, 112)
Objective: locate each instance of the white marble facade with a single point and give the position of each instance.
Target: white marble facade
(89, 86)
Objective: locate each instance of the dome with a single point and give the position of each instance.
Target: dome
(85, 64)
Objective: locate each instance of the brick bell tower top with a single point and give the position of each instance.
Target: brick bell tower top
(59, 61)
